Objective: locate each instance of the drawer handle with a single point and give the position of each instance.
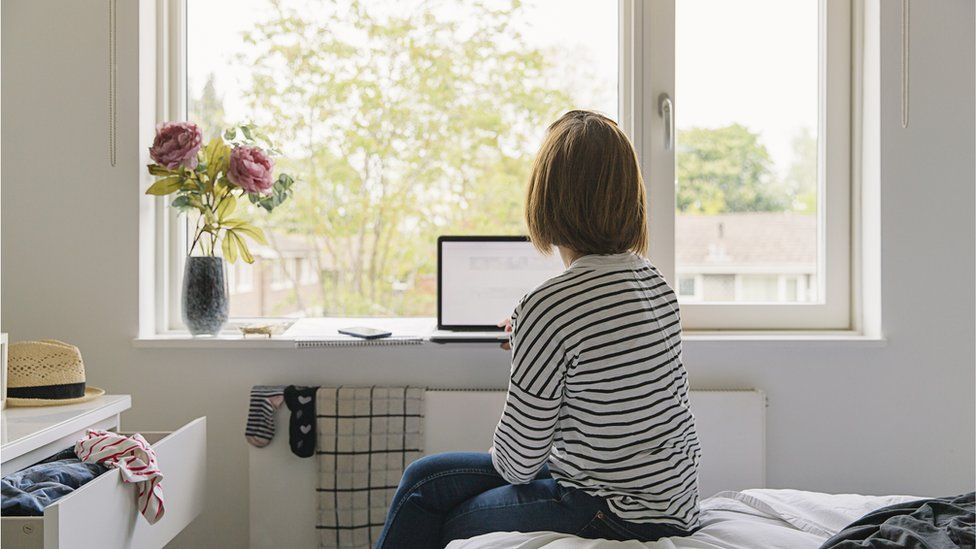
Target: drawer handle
(28, 529)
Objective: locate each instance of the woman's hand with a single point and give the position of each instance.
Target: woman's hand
(507, 324)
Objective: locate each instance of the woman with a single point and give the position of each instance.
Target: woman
(597, 438)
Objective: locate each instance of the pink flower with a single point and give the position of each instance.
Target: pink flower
(176, 144)
(250, 169)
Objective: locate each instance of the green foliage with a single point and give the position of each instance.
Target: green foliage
(405, 124)
(166, 185)
(725, 170)
(210, 109)
(801, 178)
(280, 191)
(728, 169)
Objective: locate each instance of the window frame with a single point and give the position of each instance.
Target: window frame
(645, 71)
(654, 39)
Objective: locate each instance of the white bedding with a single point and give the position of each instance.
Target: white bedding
(772, 519)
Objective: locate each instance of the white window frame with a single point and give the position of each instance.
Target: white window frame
(646, 71)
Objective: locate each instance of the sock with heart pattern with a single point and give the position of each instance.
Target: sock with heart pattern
(301, 428)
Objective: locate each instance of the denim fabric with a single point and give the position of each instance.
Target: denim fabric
(27, 492)
(459, 495)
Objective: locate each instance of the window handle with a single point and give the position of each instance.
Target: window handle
(666, 109)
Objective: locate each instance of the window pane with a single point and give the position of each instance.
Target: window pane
(403, 120)
(758, 287)
(747, 110)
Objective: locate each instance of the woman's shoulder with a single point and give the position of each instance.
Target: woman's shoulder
(567, 288)
(548, 289)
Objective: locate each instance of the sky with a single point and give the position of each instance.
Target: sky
(753, 62)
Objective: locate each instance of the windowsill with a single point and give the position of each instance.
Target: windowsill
(418, 332)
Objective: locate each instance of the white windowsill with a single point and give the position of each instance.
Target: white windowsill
(324, 330)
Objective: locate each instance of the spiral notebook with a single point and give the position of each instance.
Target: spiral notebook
(349, 341)
(312, 333)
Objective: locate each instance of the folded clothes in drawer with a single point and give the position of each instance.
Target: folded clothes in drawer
(27, 492)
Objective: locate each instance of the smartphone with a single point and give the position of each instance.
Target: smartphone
(365, 333)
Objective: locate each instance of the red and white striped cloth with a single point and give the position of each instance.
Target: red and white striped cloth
(136, 461)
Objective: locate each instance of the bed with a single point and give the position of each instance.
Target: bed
(771, 519)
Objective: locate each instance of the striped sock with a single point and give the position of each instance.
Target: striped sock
(265, 400)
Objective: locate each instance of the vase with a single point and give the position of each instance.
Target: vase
(204, 295)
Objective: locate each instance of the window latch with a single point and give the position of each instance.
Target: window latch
(666, 109)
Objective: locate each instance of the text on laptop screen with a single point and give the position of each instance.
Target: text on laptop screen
(482, 281)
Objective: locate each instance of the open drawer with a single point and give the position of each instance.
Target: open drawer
(103, 514)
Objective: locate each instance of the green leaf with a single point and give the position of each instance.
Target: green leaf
(246, 229)
(226, 207)
(156, 169)
(229, 247)
(196, 203)
(217, 155)
(230, 134)
(181, 203)
(242, 246)
(246, 130)
(165, 186)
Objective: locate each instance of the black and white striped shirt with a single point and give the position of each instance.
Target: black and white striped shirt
(598, 391)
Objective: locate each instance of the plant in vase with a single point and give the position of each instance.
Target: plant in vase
(211, 180)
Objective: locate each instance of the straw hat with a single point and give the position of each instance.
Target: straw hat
(46, 373)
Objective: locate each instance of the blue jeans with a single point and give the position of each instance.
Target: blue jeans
(459, 495)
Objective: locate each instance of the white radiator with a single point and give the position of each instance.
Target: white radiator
(731, 427)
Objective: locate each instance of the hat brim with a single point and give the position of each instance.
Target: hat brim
(91, 393)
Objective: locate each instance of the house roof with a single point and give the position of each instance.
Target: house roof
(746, 239)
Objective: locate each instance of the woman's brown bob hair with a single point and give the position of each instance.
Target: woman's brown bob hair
(586, 192)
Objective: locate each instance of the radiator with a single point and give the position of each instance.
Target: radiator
(731, 427)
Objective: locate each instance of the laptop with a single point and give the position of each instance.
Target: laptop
(480, 279)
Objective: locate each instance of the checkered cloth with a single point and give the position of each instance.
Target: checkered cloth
(366, 437)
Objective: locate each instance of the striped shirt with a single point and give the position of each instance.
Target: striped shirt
(598, 391)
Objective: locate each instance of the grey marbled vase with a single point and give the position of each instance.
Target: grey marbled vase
(204, 295)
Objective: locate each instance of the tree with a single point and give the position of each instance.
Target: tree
(207, 110)
(401, 124)
(725, 170)
(801, 179)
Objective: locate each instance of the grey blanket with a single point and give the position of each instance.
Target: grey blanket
(941, 523)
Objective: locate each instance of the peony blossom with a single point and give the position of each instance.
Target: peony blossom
(176, 144)
(250, 169)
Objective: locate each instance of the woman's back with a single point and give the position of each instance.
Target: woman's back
(597, 438)
(597, 367)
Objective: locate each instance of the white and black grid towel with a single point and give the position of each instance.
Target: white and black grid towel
(366, 437)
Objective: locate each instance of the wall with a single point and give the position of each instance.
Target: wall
(897, 418)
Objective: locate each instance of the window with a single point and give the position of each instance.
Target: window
(761, 159)
(689, 287)
(746, 154)
(306, 271)
(281, 275)
(401, 120)
(407, 120)
(244, 277)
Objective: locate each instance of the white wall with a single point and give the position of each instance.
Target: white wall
(897, 418)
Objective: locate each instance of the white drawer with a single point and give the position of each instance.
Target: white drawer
(102, 513)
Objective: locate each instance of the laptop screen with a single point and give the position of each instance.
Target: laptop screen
(481, 279)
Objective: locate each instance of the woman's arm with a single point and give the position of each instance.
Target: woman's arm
(525, 432)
